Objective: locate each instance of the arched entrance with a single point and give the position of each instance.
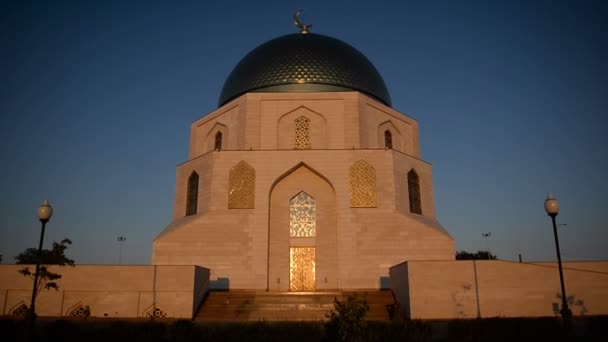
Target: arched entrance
(302, 253)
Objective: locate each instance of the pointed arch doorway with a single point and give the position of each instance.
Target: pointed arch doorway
(302, 250)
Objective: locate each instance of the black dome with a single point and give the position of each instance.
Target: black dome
(304, 63)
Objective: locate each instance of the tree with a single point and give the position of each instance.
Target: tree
(54, 256)
(480, 255)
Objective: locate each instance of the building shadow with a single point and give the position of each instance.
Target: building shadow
(385, 283)
(220, 284)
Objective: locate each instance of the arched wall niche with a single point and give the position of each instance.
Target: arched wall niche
(397, 139)
(79, 310)
(210, 138)
(287, 128)
(374, 121)
(154, 311)
(299, 179)
(19, 310)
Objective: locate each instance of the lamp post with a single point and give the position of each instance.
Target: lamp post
(486, 236)
(121, 240)
(552, 209)
(44, 215)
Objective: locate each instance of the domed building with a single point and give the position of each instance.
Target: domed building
(304, 178)
(303, 187)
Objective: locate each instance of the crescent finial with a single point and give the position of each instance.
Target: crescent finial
(296, 21)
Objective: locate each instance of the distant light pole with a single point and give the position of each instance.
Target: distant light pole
(552, 209)
(121, 240)
(486, 236)
(44, 215)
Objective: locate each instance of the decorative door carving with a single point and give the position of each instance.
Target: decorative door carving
(302, 269)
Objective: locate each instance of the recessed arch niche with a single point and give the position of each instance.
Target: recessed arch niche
(302, 179)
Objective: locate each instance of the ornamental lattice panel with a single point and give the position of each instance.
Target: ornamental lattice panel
(302, 216)
(155, 312)
(362, 185)
(80, 311)
(302, 133)
(241, 187)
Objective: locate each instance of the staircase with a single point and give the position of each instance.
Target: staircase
(249, 305)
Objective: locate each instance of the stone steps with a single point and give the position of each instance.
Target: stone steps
(247, 305)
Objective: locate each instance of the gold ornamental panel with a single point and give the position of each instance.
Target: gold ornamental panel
(302, 133)
(302, 216)
(362, 185)
(302, 269)
(242, 187)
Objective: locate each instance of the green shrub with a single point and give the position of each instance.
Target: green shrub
(347, 319)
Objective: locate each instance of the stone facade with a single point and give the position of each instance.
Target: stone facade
(360, 187)
(424, 290)
(302, 186)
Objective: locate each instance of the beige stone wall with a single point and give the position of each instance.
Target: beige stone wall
(233, 243)
(109, 291)
(482, 288)
(399, 283)
(249, 248)
(340, 120)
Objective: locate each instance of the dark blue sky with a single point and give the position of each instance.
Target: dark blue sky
(97, 98)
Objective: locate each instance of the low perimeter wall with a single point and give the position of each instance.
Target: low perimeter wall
(493, 288)
(108, 291)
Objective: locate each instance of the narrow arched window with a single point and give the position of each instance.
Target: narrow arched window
(388, 139)
(218, 141)
(413, 187)
(302, 133)
(192, 196)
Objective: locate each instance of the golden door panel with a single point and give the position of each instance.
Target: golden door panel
(302, 269)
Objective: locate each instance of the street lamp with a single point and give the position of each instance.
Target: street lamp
(552, 209)
(486, 236)
(121, 240)
(44, 215)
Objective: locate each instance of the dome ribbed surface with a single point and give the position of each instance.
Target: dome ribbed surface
(304, 63)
